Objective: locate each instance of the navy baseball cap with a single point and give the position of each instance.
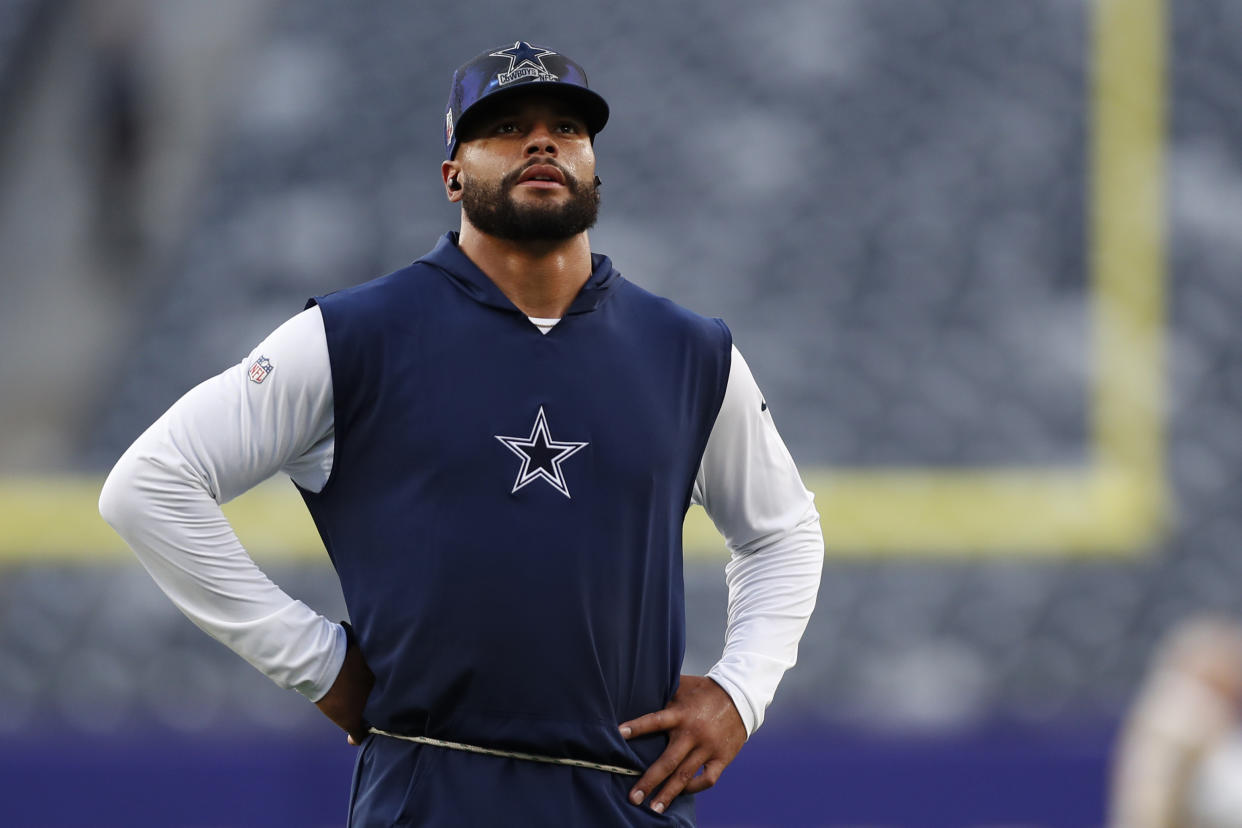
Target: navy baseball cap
(520, 68)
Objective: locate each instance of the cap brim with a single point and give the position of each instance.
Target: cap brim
(593, 108)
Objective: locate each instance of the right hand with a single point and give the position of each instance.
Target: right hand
(347, 697)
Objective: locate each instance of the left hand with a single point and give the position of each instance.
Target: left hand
(347, 697)
(704, 731)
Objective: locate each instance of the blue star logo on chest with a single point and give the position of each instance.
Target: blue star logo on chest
(541, 455)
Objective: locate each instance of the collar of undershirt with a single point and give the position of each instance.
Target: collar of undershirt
(544, 323)
(465, 274)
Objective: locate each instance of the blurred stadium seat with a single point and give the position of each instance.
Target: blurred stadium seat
(23, 23)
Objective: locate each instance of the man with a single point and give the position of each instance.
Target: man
(498, 445)
(1178, 758)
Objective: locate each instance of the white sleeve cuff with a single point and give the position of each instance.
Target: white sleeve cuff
(751, 713)
(296, 647)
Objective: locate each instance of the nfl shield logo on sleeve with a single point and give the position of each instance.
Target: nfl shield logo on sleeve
(259, 369)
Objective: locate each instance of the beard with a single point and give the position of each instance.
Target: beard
(494, 211)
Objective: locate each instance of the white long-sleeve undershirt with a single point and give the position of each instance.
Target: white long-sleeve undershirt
(229, 434)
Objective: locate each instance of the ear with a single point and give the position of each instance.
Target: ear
(450, 172)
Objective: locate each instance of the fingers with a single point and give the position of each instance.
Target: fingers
(705, 732)
(650, 723)
(359, 731)
(709, 777)
(660, 770)
(679, 779)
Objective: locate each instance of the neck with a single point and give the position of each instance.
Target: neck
(539, 278)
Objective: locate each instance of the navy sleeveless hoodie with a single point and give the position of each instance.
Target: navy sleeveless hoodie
(505, 507)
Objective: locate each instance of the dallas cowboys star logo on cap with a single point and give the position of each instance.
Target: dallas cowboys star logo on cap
(525, 61)
(541, 455)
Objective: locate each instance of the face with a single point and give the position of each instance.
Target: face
(527, 171)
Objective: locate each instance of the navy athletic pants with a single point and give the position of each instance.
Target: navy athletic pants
(400, 783)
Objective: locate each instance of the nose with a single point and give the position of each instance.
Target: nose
(541, 140)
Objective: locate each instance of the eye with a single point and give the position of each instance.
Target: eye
(505, 128)
(570, 127)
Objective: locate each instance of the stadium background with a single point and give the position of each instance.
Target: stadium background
(982, 257)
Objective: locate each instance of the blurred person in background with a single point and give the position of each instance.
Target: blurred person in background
(498, 445)
(1178, 762)
(118, 122)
